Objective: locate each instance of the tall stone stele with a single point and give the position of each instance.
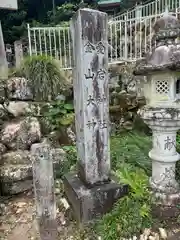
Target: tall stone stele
(90, 191)
(162, 112)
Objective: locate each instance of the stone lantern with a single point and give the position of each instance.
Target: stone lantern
(162, 112)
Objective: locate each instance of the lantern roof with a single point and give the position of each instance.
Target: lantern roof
(166, 54)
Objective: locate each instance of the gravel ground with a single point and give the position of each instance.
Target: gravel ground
(17, 221)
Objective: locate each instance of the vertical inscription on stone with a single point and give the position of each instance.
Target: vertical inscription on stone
(89, 75)
(169, 143)
(100, 48)
(89, 29)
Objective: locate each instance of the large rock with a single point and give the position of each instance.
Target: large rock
(16, 157)
(21, 108)
(3, 149)
(15, 166)
(11, 188)
(16, 169)
(18, 89)
(14, 173)
(21, 134)
(17, 109)
(4, 116)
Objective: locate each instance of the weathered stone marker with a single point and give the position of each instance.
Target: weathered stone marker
(44, 191)
(3, 60)
(91, 192)
(18, 53)
(11, 5)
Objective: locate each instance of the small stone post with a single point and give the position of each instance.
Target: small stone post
(91, 98)
(44, 190)
(3, 60)
(18, 53)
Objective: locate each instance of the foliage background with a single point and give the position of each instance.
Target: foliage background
(40, 12)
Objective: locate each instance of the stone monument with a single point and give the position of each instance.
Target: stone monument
(44, 190)
(18, 49)
(91, 191)
(162, 112)
(11, 5)
(3, 59)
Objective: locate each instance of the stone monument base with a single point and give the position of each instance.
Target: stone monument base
(167, 205)
(90, 203)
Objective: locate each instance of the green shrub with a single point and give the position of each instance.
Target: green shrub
(71, 152)
(59, 113)
(131, 148)
(132, 213)
(130, 162)
(44, 76)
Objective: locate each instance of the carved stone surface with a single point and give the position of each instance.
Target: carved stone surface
(165, 55)
(91, 192)
(162, 112)
(43, 181)
(91, 97)
(163, 165)
(90, 203)
(164, 123)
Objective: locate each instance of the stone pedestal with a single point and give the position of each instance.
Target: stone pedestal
(91, 191)
(90, 203)
(164, 158)
(164, 123)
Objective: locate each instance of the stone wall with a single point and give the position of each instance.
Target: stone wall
(21, 125)
(126, 95)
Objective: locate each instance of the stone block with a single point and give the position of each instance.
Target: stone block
(21, 133)
(15, 157)
(18, 88)
(13, 173)
(11, 188)
(91, 203)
